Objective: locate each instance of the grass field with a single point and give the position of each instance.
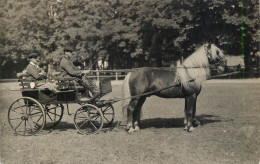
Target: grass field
(229, 132)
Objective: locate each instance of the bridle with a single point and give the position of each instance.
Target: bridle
(207, 49)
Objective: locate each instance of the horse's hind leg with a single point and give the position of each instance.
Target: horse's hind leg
(130, 110)
(189, 104)
(137, 113)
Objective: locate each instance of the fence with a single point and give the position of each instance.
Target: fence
(111, 74)
(116, 74)
(119, 74)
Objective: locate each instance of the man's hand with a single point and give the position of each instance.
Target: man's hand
(85, 71)
(43, 73)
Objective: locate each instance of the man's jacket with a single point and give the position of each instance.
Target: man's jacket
(34, 71)
(68, 69)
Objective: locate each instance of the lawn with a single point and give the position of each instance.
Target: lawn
(229, 132)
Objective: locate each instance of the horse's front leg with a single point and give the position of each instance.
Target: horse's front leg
(130, 115)
(137, 113)
(189, 104)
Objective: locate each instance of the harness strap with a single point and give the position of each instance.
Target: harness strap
(208, 51)
(144, 94)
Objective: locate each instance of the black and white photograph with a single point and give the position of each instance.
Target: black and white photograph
(129, 82)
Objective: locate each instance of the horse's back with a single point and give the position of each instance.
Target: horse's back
(145, 79)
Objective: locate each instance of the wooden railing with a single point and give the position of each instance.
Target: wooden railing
(112, 74)
(116, 74)
(119, 74)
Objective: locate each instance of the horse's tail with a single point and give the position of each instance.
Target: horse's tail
(125, 95)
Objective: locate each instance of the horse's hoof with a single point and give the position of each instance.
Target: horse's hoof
(190, 129)
(137, 128)
(131, 130)
(195, 123)
(185, 128)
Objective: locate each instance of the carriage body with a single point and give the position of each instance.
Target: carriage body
(48, 97)
(69, 90)
(40, 108)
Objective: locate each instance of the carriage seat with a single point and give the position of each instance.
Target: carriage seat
(22, 75)
(25, 79)
(67, 83)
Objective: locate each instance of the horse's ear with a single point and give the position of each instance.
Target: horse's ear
(209, 46)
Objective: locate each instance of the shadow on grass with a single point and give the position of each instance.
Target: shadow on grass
(176, 122)
(148, 123)
(64, 126)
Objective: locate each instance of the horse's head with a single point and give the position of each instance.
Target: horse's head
(215, 56)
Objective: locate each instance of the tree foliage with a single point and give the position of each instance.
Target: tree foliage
(128, 33)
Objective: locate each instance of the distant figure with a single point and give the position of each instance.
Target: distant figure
(68, 70)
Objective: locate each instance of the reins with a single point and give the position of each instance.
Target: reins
(165, 88)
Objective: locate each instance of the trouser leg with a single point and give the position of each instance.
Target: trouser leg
(91, 86)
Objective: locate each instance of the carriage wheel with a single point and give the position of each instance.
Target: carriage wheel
(54, 113)
(88, 119)
(108, 114)
(26, 116)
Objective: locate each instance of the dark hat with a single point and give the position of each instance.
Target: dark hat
(32, 55)
(68, 48)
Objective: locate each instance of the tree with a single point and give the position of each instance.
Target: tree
(127, 33)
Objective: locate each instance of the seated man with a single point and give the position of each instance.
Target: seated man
(38, 74)
(33, 69)
(69, 70)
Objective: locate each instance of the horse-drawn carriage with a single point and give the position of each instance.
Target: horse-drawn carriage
(42, 108)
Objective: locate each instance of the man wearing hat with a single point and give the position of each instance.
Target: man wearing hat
(38, 74)
(69, 70)
(33, 69)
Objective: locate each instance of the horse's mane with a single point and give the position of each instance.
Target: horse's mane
(195, 68)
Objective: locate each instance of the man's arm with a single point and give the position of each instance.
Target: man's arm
(68, 66)
(30, 69)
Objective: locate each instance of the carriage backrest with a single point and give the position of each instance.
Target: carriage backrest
(25, 79)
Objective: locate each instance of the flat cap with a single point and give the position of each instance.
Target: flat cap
(68, 48)
(33, 55)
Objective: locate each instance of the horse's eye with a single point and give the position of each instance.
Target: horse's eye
(217, 52)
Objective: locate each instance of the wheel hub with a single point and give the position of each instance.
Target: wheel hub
(25, 117)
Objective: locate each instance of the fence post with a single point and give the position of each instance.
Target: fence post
(116, 75)
(97, 75)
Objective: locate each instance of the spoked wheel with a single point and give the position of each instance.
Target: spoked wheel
(108, 114)
(54, 113)
(88, 119)
(26, 116)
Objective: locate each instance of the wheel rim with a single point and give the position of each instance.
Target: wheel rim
(88, 119)
(108, 114)
(26, 116)
(54, 113)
